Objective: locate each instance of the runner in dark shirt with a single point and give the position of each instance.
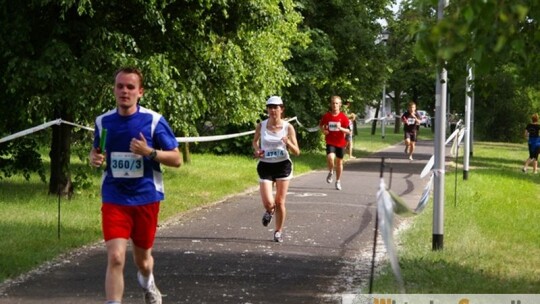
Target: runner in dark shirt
(411, 123)
(532, 131)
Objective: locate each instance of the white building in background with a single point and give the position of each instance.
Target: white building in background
(369, 111)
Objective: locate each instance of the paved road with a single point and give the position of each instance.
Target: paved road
(222, 253)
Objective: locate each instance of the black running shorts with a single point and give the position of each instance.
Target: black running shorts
(275, 171)
(336, 150)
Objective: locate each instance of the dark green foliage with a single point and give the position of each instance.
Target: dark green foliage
(501, 107)
(216, 62)
(343, 57)
(22, 158)
(201, 59)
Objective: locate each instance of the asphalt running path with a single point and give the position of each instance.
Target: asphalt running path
(222, 253)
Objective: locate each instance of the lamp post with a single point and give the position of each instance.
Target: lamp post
(384, 38)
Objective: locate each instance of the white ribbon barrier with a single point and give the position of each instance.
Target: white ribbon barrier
(457, 135)
(373, 118)
(389, 118)
(31, 130)
(389, 203)
(222, 137)
(428, 166)
(314, 129)
(425, 196)
(211, 138)
(179, 139)
(76, 125)
(457, 142)
(41, 127)
(400, 206)
(385, 213)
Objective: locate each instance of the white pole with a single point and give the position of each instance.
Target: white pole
(472, 117)
(439, 155)
(383, 121)
(384, 38)
(468, 102)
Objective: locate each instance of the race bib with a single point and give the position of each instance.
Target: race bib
(126, 165)
(334, 126)
(411, 121)
(274, 154)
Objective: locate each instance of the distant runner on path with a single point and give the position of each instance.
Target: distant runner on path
(411, 123)
(335, 125)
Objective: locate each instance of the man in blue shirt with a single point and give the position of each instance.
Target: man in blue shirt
(135, 142)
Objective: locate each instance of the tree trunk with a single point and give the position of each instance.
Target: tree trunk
(60, 179)
(374, 123)
(185, 153)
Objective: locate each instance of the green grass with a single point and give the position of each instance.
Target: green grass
(29, 222)
(491, 231)
(28, 226)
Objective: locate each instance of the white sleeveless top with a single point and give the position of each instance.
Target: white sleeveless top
(275, 150)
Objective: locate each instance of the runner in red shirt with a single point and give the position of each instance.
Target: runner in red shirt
(335, 125)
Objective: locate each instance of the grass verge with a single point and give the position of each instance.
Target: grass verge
(491, 231)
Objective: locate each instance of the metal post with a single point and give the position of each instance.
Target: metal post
(472, 117)
(449, 110)
(439, 155)
(383, 112)
(384, 38)
(466, 153)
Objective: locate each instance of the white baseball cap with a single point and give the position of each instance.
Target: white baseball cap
(274, 100)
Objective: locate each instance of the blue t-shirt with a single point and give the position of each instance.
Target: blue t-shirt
(130, 179)
(533, 130)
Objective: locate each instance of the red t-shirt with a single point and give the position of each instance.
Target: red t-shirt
(331, 122)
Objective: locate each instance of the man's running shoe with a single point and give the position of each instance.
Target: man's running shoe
(338, 185)
(151, 294)
(267, 218)
(277, 237)
(329, 177)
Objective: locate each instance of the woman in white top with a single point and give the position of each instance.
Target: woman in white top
(273, 140)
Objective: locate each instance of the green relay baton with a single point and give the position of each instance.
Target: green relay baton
(102, 139)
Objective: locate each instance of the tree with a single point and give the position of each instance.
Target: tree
(343, 57)
(499, 39)
(412, 75)
(215, 60)
(483, 31)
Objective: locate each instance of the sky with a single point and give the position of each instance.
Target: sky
(395, 8)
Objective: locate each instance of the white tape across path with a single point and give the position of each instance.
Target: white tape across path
(179, 139)
(457, 136)
(388, 204)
